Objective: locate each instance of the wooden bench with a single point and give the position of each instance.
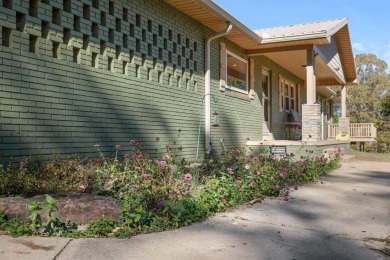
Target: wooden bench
(294, 125)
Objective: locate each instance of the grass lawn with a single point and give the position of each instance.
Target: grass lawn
(383, 157)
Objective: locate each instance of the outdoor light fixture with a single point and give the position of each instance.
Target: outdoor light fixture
(215, 114)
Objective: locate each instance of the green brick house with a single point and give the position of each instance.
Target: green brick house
(79, 73)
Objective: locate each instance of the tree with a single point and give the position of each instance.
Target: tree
(385, 107)
(365, 100)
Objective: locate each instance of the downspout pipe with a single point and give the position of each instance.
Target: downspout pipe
(207, 88)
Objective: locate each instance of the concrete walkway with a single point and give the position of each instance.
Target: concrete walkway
(331, 219)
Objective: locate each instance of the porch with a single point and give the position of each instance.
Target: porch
(363, 132)
(300, 148)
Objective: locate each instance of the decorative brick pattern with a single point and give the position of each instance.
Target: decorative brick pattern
(76, 73)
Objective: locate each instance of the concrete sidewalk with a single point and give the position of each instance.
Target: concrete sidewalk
(331, 219)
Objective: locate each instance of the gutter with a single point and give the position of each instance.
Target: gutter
(219, 11)
(207, 90)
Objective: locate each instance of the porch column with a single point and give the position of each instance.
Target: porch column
(310, 77)
(344, 101)
(311, 112)
(344, 120)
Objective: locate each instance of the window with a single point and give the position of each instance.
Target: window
(328, 111)
(266, 89)
(237, 73)
(287, 96)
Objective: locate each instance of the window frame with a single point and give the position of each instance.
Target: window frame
(290, 96)
(246, 74)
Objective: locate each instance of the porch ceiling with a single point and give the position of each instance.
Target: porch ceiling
(294, 60)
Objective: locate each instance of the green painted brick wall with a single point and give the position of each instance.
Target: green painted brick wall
(65, 88)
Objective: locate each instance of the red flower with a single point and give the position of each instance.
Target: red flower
(224, 200)
(117, 147)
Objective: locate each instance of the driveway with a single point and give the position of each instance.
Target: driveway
(335, 218)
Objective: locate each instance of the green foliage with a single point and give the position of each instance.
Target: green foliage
(385, 107)
(100, 228)
(366, 101)
(165, 194)
(35, 176)
(335, 118)
(33, 208)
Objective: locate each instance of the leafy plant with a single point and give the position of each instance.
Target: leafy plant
(33, 208)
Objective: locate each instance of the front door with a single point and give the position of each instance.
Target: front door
(266, 103)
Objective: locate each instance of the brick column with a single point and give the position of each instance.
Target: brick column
(311, 122)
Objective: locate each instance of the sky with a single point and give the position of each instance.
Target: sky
(369, 20)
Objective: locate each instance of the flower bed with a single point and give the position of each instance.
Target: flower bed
(167, 193)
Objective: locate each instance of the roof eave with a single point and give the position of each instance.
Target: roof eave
(295, 38)
(229, 18)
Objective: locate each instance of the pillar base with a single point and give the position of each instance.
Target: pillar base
(344, 125)
(311, 122)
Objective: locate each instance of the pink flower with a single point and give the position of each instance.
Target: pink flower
(247, 166)
(166, 157)
(161, 164)
(230, 171)
(108, 170)
(126, 155)
(117, 147)
(224, 200)
(249, 177)
(283, 175)
(98, 160)
(137, 169)
(188, 177)
(134, 142)
(97, 145)
(188, 192)
(139, 156)
(146, 176)
(187, 167)
(285, 198)
(252, 184)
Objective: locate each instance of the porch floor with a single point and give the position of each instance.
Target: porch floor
(296, 143)
(311, 148)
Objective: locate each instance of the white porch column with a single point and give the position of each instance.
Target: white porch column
(344, 120)
(310, 77)
(311, 112)
(344, 101)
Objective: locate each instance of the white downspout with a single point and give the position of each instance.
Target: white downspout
(207, 91)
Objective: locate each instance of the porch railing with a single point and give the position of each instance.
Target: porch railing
(356, 131)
